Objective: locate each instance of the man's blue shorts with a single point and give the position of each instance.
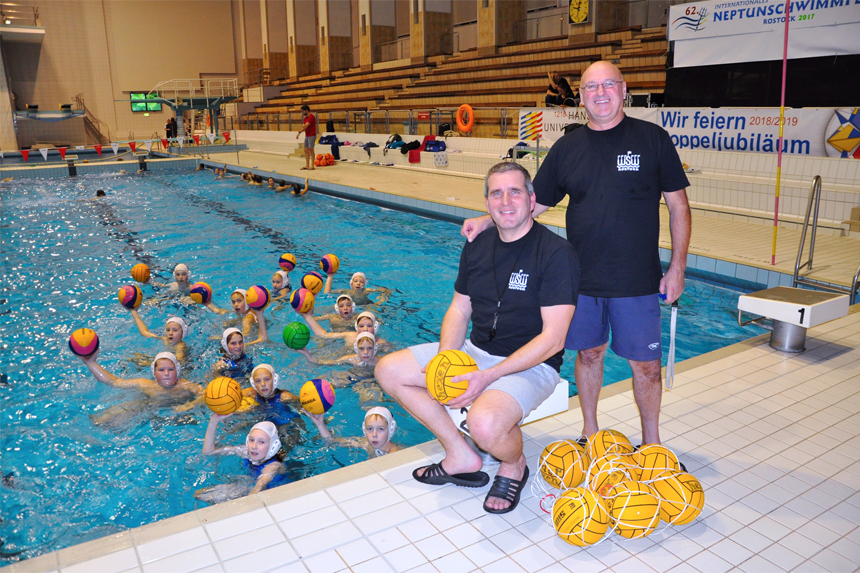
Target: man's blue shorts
(634, 321)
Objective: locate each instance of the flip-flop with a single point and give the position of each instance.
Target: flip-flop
(435, 474)
(303, 168)
(508, 489)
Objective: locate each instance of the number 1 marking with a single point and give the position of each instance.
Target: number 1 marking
(801, 311)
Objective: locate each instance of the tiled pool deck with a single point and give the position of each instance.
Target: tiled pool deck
(774, 439)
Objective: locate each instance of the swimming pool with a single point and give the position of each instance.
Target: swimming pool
(65, 256)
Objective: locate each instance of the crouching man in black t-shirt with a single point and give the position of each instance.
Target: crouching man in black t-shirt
(517, 284)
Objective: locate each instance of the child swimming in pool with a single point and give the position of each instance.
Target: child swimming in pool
(342, 318)
(166, 384)
(181, 282)
(281, 285)
(360, 374)
(364, 322)
(165, 373)
(175, 331)
(379, 427)
(271, 401)
(245, 315)
(234, 363)
(262, 453)
(358, 290)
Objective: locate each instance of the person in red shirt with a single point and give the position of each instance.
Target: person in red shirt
(309, 127)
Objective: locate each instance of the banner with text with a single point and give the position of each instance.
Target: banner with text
(731, 31)
(819, 132)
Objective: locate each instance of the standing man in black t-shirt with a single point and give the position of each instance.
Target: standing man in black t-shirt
(615, 172)
(517, 285)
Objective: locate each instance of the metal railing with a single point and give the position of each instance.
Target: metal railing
(407, 121)
(812, 213)
(92, 125)
(396, 50)
(543, 27)
(191, 89)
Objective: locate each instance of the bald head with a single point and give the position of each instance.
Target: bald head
(603, 91)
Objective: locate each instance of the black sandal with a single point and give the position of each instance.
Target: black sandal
(508, 489)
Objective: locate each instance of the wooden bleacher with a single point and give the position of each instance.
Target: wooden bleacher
(513, 77)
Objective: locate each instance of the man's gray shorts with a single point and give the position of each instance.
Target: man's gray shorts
(529, 387)
(309, 141)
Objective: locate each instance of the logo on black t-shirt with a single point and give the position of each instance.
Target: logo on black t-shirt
(628, 162)
(519, 281)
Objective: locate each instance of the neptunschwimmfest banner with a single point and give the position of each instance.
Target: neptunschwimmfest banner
(818, 132)
(732, 31)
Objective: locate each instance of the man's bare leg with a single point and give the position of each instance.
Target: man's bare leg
(588, 372)
(400, 376)
(648, 392)
(493, 424)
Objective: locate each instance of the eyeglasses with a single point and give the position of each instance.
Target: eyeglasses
(607, 85)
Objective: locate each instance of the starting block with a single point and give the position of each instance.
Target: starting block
(792, 311)
(555, 404)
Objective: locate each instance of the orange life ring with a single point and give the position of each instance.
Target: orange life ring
(465, 125)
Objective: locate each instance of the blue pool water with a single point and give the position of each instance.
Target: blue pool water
(64, 256)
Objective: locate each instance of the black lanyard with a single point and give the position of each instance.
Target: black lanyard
(526, 242)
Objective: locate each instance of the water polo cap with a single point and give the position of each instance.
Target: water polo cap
(341, 297)
(274, 441)
(181, 324)
(358, 274)
(372, 317)
(366, 335)
(182, 267)
(170, 356)
(392, 425)
(275, 378)
(286, 276)
(242, 292)
(225, 336)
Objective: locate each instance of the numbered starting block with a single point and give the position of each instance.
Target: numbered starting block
(557, 403)
(792, 311)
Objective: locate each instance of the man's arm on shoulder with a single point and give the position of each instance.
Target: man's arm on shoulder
(680, 226)
(455, 325)
(556, 321)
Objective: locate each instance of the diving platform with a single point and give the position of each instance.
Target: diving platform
(195, 94)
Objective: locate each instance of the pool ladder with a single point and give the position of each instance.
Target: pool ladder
(812, 212)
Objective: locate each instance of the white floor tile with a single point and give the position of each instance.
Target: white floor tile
(377, 565)
(418, 529)
(505, 565)
(445, 519)
(405, 558)
(357, 552)
(532, 558)
(510, 541)
(323, 539)
(463, 535)
(356, 487)
(370, 502)
(454, 563)
(303, 524)
(249, 542)
(831, 561)
(482, 553)
(172, 544)
(186, 561)
(224, 528)
(327, 562)
(112, 562)
(435, 547)
(385, 518)
(301, 505)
